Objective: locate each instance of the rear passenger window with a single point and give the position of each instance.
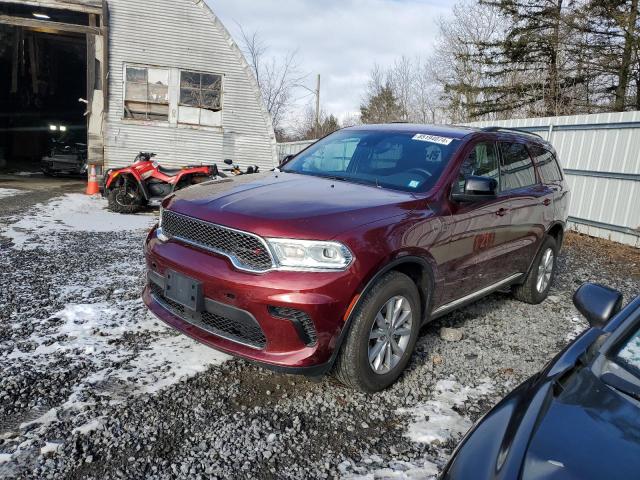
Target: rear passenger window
(481, 162)
(516, 167)
(547, 164)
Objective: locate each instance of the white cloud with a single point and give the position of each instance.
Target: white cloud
(341, 40)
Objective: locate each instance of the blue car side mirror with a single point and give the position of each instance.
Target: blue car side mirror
(597, 303)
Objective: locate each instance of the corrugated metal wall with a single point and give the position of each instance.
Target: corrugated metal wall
(600, 154)
(184, 34)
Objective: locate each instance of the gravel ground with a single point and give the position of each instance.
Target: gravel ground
(133, 399)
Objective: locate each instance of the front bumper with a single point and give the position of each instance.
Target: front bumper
(262, 300)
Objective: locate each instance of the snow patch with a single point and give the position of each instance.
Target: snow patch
(72, 212)
(10, 192)
(50, 447)
(169, 360)
(578, 325)
(437, 420)
(95, 424)
(402, 471)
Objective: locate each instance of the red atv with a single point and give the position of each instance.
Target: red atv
(146, 183)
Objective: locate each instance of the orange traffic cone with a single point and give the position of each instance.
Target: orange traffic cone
(92, 184)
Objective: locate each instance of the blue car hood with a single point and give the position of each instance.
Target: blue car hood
(589, 431)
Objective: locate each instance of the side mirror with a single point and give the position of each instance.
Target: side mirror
(285, 159)
(597, 303)
(228, 161)
(477, 189)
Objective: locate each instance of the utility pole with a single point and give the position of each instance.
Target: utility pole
(318, 108)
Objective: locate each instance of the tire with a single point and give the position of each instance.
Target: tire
(534, 290)
(117, 205)
(353, 368)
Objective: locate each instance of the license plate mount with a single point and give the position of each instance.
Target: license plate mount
(184, 290)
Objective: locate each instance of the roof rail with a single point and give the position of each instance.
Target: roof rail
(507, 129)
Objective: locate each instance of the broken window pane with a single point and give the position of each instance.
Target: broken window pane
(189, 79)
(158, 94)
(158, 76)
(211, 81)
(190, 97)
(211, 99)
(136, 75)
(200, 90)
(146, 93)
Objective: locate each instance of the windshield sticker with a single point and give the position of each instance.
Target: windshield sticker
(414, 183)
(423, 137)
(433, 154)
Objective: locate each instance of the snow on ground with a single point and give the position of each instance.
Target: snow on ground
(102, 331)
(578, 325)
(10, 192)
(437, 420)
(72, 212)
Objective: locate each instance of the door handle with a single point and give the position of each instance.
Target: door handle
(502, 212)
(546, 202)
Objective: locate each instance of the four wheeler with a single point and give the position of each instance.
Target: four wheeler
(146, 183)
(235, 169)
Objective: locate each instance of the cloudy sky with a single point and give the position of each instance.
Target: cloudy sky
(340, 39)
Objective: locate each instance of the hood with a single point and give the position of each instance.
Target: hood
(589, 431)
(282, 204)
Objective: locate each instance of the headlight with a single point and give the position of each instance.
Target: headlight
(310, 254)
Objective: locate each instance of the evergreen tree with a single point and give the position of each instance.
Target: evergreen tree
(381, 107)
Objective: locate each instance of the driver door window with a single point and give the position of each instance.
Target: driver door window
(481, 162)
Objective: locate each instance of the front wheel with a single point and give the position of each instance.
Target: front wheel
(539, 279)
(382, 335)
(124, 200)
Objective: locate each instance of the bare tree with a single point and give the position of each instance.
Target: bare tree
(277, 77)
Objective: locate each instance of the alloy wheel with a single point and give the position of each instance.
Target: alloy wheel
(390, 334)
(545, 269)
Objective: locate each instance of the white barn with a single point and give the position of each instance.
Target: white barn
(175, 83)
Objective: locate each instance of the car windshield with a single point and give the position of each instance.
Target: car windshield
(407, 161)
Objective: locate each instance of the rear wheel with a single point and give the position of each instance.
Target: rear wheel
(124, 199)
(538, 282)
(382, 335)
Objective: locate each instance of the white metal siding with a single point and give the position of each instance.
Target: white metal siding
(184, 34)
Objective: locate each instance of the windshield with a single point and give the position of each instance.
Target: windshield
(407, 161)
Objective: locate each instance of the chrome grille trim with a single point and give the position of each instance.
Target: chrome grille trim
(235, 246)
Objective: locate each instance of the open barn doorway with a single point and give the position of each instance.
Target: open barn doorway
(44, 77)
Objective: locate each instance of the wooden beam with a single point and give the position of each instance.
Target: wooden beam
(62, 27)
(85, 6)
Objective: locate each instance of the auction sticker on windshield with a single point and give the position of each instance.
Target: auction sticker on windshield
(423, 137)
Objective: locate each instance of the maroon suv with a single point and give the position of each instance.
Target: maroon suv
(336, 259)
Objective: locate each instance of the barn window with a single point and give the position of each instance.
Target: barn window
(200, 98)
(146, 93)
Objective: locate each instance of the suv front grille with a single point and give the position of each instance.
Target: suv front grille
(246, 332)
(245, 250)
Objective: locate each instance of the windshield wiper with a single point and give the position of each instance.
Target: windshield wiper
(621, 384)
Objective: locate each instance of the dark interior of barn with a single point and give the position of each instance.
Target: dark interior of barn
(43, 76)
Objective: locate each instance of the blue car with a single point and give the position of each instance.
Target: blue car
(579, 418)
